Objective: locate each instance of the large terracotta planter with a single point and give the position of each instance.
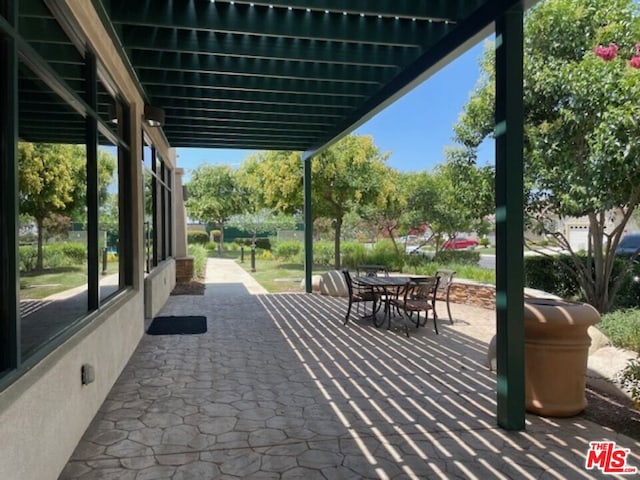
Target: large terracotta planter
(556, 354)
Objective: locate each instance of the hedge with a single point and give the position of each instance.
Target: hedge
(197, 237)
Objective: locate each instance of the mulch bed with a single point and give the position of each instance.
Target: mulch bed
(613, 412)
(192, 288)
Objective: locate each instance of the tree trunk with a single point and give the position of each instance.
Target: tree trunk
(221, 241)
(40, 260)
(336, 251)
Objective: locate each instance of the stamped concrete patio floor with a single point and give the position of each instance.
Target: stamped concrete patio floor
(279, 388)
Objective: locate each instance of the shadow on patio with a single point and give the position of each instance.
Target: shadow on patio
(278, 388)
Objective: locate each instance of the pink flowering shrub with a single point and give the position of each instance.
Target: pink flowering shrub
(606, 53)
(610, 52)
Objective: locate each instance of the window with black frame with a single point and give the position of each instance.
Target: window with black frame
(60, 165)
(157, 211)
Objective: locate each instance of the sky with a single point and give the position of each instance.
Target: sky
(415, 129)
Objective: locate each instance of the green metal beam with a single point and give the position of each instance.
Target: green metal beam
(279, 89)
(279, 23)
(176, 94)
(509, 132)
(308, 226)
(264, 48)
(260, 105)
(216, 65)
(214, 126)
(198, 107)
(424, 9)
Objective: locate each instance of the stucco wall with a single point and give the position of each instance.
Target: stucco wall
(158, 286)
(45, 412)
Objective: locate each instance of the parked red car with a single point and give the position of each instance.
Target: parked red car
(460, 243)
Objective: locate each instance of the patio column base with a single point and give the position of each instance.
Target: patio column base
(184, 269)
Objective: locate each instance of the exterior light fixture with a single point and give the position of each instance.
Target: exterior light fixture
(113, 114)
(153, 116)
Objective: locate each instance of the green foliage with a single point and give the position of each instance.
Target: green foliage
(74, 251)
(286, 251)
(323, 253)
(199, 254)
(623, 328)
(469, 272)
(462, 257)
(261, 243)
(384, 253)
(211, 245)
(28, 257)
(215, 234)
(549, 274)
(581, 126)
(53, 256)
(263, 221)
(484, 242)
(353, 253)
(629, 379)
(197, 236)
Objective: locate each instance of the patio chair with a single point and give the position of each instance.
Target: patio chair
(446, 279)
(357, 294)
(419, 295)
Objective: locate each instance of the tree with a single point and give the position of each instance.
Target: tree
(262, 221)
(346, 175)
(46, 182)
(456, 197)
(389, 209)
(582, 84)
(214, 196)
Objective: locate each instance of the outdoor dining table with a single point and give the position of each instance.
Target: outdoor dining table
(386, 287)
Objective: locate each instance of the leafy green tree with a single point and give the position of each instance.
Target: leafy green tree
(388, 211)
(582, 84)
(272, 179)
(262, 221)
(214, 196)
(46, 182)
(346, 175)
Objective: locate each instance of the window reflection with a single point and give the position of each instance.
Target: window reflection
(108, 219)
(53, 216)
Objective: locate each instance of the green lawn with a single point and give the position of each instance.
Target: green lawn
(37, 285)
(278, 277)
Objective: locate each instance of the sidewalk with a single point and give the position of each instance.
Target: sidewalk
(278, 388)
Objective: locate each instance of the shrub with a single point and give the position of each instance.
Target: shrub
(352, 254)
(199, 254)
(484, 242)
(197, 237)
(623, 328)
(629, 379)
(215, 235)
(462, 257)
(288, 250)
(548, 274)
(323, 253)
(28, 256)
(74, 251)
(211, 246)
(384, 253)
(267, 255)
(263, 243)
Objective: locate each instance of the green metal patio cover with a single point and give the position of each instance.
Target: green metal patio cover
(287, 74)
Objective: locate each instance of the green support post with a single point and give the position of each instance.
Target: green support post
(308, 226)
(509, 132)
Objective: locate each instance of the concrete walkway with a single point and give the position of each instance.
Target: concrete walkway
(278, 388)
